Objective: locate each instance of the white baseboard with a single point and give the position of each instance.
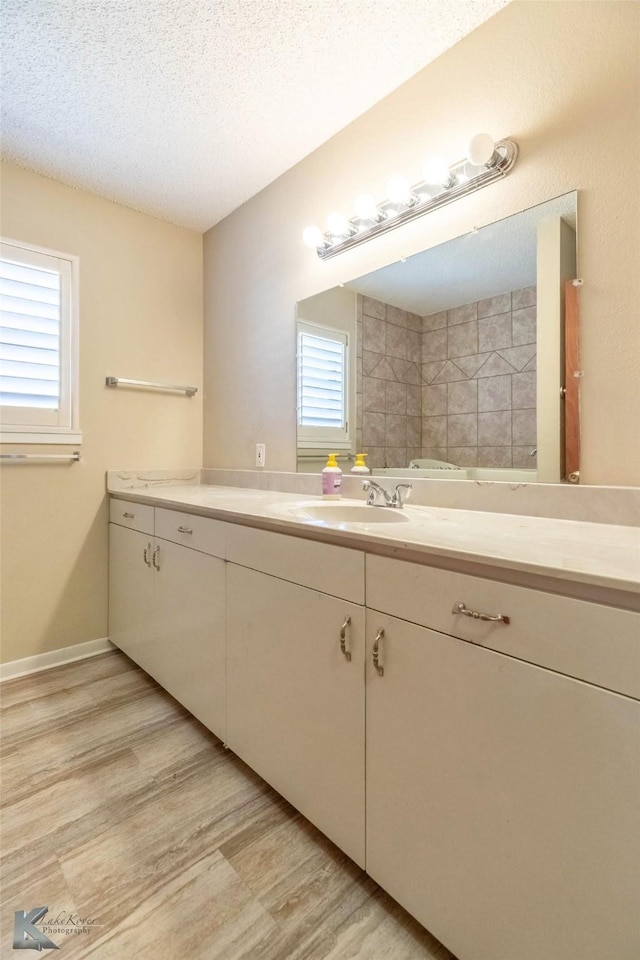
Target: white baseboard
(54, 658)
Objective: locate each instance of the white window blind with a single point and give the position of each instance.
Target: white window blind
(37, 343)
(322, 386)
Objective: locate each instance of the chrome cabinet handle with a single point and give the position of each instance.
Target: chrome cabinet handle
(343, 638)
(129, 516)
(376, 652)
(145, 554)
(185, 530)
(459, 607)
(155, 558)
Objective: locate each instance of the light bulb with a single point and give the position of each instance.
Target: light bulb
(312, 237)
(481, 149)
(366, 207)
(338, 225)
(399, 190)
(436, 171)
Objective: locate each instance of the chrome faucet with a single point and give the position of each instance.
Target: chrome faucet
(377, 493)
(375, 490)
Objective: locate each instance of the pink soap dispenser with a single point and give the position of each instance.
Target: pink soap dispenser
(332, 479)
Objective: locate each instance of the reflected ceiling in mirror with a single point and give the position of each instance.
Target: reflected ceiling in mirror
(457, 352)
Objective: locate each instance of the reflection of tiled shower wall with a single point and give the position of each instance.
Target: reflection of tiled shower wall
(471, 399)
(388, 384)
(478, 367)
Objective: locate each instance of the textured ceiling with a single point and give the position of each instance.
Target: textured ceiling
(186, 108)
(494, 260)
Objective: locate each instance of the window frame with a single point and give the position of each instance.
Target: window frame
(34, 424)
(325, 439)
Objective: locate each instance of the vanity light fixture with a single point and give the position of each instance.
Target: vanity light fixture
(314, 237)
(400, 192)
(366, 208)
(485, 163)
(338, 226)
(436, 173)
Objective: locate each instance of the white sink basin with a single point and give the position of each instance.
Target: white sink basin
(338, 513)
(351, 513)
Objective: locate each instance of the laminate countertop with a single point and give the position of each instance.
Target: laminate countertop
(594, 561)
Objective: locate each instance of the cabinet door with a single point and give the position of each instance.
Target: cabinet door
(130, 591)
(187, 650)
(502, 800)
(295, 702)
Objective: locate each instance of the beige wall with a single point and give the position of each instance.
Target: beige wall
(562, 79)
(140, 317)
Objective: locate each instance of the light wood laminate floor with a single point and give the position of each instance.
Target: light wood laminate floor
(118, 806)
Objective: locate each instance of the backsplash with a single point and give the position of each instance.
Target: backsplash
(471, 398)
(122, 480)
(564, 501)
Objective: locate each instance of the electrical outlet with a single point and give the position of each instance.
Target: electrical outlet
(260, 454)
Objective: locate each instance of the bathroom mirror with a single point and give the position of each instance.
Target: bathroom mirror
(448, 363)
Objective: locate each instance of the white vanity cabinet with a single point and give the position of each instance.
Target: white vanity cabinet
(502, 797)
(491, 762)
(188, 640)
(131, 584)
(295, 667)
(167, 607)
(130, 577)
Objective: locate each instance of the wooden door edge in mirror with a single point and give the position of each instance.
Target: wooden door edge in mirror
(572, 374)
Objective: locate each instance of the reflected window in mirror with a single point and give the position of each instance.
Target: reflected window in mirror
(323, 395)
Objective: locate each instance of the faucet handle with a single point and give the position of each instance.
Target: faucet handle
(405, 486)
(398, 496)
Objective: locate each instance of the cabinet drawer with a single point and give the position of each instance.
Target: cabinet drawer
(136, 516)
(585, 640)
(200, 533)
(337, 571)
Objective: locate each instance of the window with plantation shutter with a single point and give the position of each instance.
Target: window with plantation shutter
(322, 387)
(38, 345)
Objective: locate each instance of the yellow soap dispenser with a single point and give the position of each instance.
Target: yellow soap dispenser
(360, 465)
(332, 479)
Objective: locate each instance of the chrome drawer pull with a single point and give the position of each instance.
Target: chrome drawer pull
(129, 516)
(343, 638)
(376, 652)
(185, 530)
(460, 608)
(156, 558)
